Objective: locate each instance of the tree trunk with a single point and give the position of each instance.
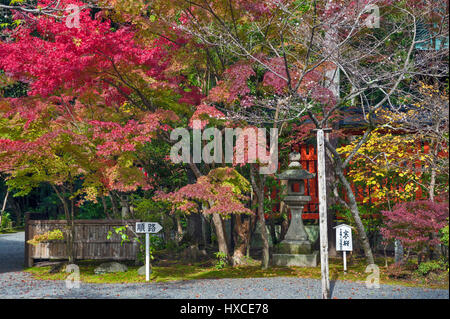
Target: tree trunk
(284, 227)
(194, 229)
(220, 233)
(113, 205)
(258, 188)
(263, 230)
(69, 233)
(105, 207)
(284, 213)
(3, 207)
(16, 206)
(432, 186)
(241, 231)
(206, 231)
(252, 227)
(166, 221)
(355, 214)
(73, 255)
(273, 233)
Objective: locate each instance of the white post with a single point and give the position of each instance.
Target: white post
(323, 214)
(345, 261)
(147, 257)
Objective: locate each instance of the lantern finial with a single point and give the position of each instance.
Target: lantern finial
(294, 159)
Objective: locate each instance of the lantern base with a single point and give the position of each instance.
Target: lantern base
(299, 260)
(294, 247)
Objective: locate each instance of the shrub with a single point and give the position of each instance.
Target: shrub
(416, 224)
(6, 221)
(426, 267)
(157, 242)
(398, 271)
(222, 260)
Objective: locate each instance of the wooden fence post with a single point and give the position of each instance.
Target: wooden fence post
(27, 255)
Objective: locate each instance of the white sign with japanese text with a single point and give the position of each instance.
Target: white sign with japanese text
(150, 228)
(344, 238)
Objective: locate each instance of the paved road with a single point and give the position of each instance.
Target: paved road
(11, 252)
(16, 284)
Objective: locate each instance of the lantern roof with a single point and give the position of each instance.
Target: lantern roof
(295, 174)
(294, 171)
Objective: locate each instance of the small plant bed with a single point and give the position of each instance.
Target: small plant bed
(165, 270)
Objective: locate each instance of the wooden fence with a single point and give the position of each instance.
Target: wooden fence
(90, 240)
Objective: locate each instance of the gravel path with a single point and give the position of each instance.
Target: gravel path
(17, 284)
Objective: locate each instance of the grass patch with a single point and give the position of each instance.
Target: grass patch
(11, 230)
(166, 271)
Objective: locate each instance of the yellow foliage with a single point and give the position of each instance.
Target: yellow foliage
(383, 164)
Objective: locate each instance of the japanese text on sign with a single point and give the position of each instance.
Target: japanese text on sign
(151, 228)
(344, 238)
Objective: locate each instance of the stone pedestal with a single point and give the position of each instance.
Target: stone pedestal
(299, 260)
(296, 249)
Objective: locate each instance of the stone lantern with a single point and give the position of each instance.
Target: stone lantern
(296, 248)
(124, 202)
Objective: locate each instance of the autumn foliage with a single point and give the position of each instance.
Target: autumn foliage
(416, 224)
(222, 191)
(95, 96)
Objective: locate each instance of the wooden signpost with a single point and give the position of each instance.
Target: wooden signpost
(321, 177)
(147, 228)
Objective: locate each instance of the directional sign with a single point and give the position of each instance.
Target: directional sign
(148, 228)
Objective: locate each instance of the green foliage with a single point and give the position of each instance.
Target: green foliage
(169, 176)
(222, 259)
(91, 210)
(273, 185)
(214, 239)
(16, 89)
(231, 178)
(6, 221)
(173, 246)
(444, 235)
(122, 232)
(156, 243)
(147, 209)
(370, 217)
(426, 267)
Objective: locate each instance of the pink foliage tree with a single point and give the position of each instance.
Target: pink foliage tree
(416, 224)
